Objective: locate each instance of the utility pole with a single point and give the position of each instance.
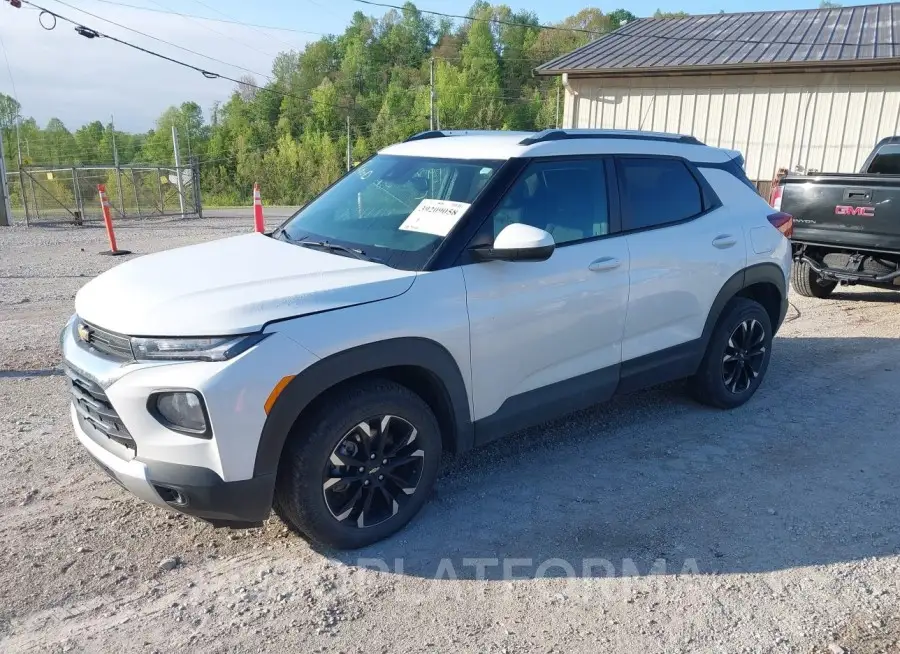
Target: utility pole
(432, 95)
(5, 208)
(112, 129)
(178, 169)
(557, 106)
(19, 160)
(348, 141)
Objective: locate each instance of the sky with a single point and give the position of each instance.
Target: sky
(58, 73)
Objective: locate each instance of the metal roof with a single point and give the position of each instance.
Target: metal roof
(764, 40)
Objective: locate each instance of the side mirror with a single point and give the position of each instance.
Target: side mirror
(518, 242)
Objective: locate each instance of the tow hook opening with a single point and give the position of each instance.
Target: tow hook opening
(171, 496)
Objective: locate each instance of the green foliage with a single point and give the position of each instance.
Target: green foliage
(290, 135)
(670, 14)
(9, 109)
(621, 16)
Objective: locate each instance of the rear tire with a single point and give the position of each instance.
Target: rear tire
(806, 281)
(342, 480)
(737, 356)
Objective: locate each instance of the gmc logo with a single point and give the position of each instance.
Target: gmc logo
(865, 212)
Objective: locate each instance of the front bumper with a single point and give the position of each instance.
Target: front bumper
(210, 478)
(196, 491)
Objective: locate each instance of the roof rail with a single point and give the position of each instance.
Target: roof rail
(429, 134)
(564, 135)
(440, 133)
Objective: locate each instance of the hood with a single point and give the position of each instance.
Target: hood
(230, 286)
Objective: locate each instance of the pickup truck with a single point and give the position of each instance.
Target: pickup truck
(846, 227)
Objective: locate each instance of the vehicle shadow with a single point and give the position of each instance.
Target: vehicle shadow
(41, 372)
(886, 295)
(804, 474)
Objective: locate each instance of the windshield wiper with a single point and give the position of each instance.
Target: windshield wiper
(332, 247)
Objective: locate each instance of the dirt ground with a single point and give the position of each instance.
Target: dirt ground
(647, 525)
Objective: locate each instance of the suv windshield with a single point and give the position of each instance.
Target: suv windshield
(393, 209)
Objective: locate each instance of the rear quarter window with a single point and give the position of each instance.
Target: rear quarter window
(657, 192)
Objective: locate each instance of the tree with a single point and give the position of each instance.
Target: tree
(289, 133)
(9, 110)
(58, 143)
(247, 87)
(90, 142)
(827, 4)
(620, 17)
(670, 14)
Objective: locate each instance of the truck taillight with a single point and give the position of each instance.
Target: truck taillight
(775, 199)
(783, 222)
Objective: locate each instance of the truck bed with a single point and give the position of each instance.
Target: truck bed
(859, 211)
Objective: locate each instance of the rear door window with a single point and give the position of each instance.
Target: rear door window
(657, 192)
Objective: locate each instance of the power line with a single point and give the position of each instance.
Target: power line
(222, 34)
(495, 21)
(91, 33)
(18, 116)
(9, 70)
(617, 33)
(150, 36)
(217, 20)
(228, 18)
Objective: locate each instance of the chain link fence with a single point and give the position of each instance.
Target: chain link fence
(42, 195)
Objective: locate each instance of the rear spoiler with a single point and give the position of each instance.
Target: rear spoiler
(734, 155)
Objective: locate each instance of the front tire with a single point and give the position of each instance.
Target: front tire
(737, 356)
(361, 467)
(806, 281)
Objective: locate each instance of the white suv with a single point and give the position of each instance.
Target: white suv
(451, 289)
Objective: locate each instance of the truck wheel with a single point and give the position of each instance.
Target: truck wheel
(737, 356)
(807, 282)
(361, 467)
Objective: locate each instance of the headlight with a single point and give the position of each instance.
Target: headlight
(180, 410)
(214, 348)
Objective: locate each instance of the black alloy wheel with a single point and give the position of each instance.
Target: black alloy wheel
(373, 471)
(744, 356)
(737, 356)
(360, 465)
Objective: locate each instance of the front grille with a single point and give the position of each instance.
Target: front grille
(104, 341)
(95, 413)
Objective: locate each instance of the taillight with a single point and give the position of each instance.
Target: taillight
(783, 222)
(775, 199)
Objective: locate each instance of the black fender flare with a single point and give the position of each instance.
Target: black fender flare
(332, 370)
(758, 273)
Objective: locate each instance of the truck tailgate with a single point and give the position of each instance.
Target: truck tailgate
(851, 211)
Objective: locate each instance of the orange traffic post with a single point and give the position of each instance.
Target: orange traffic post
(107, 219)
(259, 221)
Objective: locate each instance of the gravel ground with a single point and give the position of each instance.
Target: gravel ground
(647, 525)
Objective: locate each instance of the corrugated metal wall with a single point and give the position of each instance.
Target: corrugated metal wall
(823, 121)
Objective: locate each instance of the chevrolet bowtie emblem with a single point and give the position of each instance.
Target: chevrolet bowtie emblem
(84, 332)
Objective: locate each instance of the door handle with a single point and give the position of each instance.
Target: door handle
(723, 241)
(604, 263)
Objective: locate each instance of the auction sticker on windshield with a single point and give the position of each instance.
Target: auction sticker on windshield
(435, 217)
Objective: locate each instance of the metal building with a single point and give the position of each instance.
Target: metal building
(814, 89)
